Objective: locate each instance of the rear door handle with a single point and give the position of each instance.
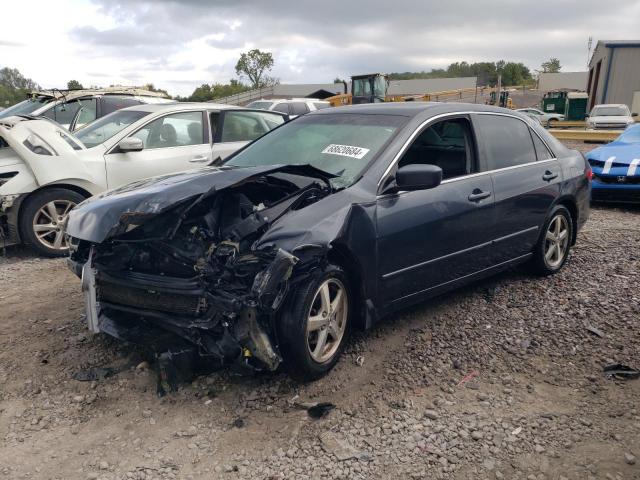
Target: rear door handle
(548, 176)
(199, 159)
(478, 195)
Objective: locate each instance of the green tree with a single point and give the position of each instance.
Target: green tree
(74, 85)
(151, 88)
(551, 66)
(254, 65)
(14, 86)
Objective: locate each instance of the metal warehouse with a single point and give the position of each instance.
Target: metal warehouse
(614, 73)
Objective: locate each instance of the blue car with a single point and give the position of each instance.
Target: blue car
(616, 168)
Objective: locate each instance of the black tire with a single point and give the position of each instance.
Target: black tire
(539, 263)
(32, 207)
(551, 122)
(292, 327)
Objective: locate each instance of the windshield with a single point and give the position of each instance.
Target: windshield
(260, 105)
(361, 87)
(630, 135)
(610, 112)
(26, 106)
(341, 144)
(103, 129)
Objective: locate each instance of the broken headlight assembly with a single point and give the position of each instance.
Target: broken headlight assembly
(6, 176)
(38, 146)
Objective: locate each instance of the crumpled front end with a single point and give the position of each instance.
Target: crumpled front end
(190, 276)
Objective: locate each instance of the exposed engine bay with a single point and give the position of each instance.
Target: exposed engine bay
(193, 272)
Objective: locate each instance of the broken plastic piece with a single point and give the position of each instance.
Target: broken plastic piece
(320, 410)
(96, 373)
(621, 372)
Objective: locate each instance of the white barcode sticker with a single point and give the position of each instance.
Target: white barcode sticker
(346, 151)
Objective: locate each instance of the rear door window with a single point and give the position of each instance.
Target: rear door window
(111, 103)
(298, 108)
(542, 152)
(505, 141)
(247, 126)
(281, 107)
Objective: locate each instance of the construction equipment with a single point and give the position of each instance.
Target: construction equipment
(505, 99)
(372, 88)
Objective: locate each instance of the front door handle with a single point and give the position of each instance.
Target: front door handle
(548, 176)
(199, 159)
(478, 195)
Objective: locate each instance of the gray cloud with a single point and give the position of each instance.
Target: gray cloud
(314, 41)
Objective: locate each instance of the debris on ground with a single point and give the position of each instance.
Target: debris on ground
(95, 373)
(320, 410)
(621, 372)
(341, 449)
(596, 331)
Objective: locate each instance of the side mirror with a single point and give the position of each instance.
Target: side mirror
(418, 177)
(634, 114)
(131, 144)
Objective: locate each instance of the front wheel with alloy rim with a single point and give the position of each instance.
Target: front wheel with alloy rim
(315, 323)
(43, 217)
(554, 244)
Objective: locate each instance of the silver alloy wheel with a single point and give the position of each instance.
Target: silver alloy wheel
(556, 241)
(327, 320)
(49, 223)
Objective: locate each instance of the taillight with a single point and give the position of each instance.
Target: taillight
(589, 174)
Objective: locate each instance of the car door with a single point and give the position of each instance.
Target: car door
(526, 180)
(429, 238)
(233, 129)
(171, 143)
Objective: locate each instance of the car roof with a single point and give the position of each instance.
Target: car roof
(610, 105)
(412, 109)
(179, 106)
(287, 100)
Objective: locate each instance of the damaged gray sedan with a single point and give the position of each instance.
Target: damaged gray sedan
(325, 224)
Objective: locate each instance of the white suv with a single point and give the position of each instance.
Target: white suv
(292, 107)
(46, 170)
(609, 116)
(75, 108)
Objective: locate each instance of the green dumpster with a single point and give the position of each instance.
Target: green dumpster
(554, 101)
(576, 106)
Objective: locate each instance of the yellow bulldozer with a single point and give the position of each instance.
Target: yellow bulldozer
(372, 88)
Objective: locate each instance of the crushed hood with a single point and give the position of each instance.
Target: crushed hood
(129, 206)
(16, 130)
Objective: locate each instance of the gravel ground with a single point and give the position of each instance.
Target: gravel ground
(499, 380)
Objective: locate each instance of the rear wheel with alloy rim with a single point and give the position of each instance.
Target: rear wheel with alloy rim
(554, 244)
(43, 218)
(314, 324)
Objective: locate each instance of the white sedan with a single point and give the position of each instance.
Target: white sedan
(545, 119)
(47, 170)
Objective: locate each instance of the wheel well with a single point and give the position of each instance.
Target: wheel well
(573, 211)
(74, 188)
(342, 256)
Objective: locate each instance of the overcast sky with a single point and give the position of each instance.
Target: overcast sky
(180, 45)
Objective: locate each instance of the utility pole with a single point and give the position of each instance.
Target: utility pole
(498, 88)
(475, 97)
